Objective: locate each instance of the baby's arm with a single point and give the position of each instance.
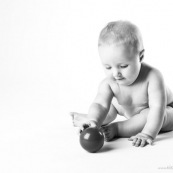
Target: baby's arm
(101, 105)
(157, 104)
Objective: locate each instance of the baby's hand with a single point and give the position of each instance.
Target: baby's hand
(141, 140)
(85, 125)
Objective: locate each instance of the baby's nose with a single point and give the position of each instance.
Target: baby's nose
(116, 73)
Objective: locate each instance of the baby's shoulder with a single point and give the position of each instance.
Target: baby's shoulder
(105, 82)
(151, 73)
(109, 84)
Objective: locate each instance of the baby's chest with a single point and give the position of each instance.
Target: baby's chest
(133, 97)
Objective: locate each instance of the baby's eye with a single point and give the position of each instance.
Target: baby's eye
(108, 68)
(124, 66)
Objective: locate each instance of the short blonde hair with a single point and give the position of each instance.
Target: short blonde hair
(121, 32)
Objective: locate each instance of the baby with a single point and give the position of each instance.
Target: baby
(132, 89)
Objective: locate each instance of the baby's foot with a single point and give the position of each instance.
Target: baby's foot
(78, 118)
(109, 131)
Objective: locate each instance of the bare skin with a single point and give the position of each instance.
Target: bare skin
(134, 90)
(128, 128)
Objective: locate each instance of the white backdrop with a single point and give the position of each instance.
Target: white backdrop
(49, 64)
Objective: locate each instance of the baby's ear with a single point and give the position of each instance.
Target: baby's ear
(141, 55)
(141, 58)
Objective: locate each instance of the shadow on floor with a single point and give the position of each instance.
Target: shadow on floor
(106, 148)
(164, 136)
(115, 144)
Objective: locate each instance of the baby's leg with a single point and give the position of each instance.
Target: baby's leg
(78, 118)
(126, 128)
(135, 125)
(111, 116)
(168, 120)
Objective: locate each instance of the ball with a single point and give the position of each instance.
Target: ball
(91, 139)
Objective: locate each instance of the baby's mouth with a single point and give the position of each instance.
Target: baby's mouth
(119, 78)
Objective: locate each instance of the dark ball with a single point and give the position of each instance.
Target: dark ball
(92, 139)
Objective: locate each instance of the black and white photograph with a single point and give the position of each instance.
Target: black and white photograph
(86, 86)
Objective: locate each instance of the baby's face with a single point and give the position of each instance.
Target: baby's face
(120, 62)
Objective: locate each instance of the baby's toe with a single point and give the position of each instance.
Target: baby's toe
(71, 115)
(107, 139)
(106, 136)
(105, 129)
(106, 133)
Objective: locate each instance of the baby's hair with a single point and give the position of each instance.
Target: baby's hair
(121, 32)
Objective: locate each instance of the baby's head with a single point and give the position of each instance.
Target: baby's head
(121, 33)
(121, 51)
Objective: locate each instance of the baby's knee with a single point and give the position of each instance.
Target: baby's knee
(145, 111)
(111, 116)
(168, 120)
(165, 123)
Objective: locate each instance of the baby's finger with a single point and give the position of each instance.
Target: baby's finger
(82, 128)
(143, 143)
(138, 142)
(78, 131)
(134, 141)
(131, 138)
(104, 128)
(92, 124)
(150, 141)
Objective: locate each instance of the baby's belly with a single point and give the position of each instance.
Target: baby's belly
(129, 111)
(133, 110)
